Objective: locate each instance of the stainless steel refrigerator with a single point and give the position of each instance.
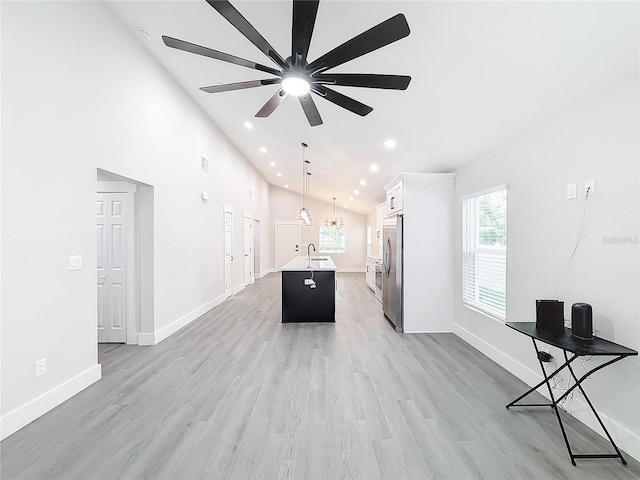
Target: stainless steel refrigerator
(392, 272)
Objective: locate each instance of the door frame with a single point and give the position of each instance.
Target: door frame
(275, 242)
(129, 189)
(252, 273)
(227, 209)
(256, 248)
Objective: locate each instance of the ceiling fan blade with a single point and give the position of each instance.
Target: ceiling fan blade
(208, 52)
(234, 17)
(376, 37)
(273, 103)
(240, 85)
(310, 110)
(304, 19)
(368, 80)
(342, 100)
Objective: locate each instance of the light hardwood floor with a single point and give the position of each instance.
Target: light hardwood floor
(236, 394)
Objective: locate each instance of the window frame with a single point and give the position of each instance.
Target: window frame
(471, 245)
(332, 252)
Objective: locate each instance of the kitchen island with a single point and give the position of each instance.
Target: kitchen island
(309, 290)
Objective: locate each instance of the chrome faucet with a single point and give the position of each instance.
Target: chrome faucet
(309, 253)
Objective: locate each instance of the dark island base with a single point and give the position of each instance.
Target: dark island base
(303, 304)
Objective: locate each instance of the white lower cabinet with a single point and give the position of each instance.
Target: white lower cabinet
(371, 273)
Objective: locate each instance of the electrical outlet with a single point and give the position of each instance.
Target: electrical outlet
(571, 191)
(590, 187)
(308, 281)
(41, 367)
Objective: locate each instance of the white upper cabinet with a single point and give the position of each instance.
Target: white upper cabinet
(394, 202)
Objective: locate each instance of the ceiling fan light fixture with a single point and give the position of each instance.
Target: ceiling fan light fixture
(295, 86)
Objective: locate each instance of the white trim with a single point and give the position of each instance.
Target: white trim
(504, 186)
(239, 288)
(165, 332)
(132, 320)
(625, 439)
(252, 247)
(228, 209)
(479, 311)
(266, 272)
(33, 409)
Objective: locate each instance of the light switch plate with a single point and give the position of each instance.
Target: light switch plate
(571, 191)
(75, 262)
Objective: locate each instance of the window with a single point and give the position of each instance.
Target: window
(332, 240)
(484, 251)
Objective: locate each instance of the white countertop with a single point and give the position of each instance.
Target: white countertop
(300, 264)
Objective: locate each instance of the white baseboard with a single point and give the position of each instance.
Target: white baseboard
(238, 288)
(352, 270)
(625, 439)
(33, 409)
(157, 337)
(265, 273)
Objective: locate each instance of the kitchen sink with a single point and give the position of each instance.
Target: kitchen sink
(319, 259)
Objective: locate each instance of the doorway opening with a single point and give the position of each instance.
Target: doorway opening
(228, 251)
(287, 242)
(256, 248)
(124, 222)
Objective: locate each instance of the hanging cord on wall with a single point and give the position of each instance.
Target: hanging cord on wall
(583, 228)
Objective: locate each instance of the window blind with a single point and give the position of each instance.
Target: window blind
(484, 252)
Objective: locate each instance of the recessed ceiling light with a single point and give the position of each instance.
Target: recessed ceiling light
(345, 206)
(374, 168)
(390, 143)
(263, 149)
(279, 174)
(248, 125)
(350, 198)
(145, 35)
(286, 186)
(356, 192)
(363, 182)
(273, 164)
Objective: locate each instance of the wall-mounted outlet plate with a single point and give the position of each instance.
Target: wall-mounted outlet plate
(590, 187)
(571, 191)
(41, 367)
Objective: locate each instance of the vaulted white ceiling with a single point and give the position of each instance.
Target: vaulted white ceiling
(482, 74)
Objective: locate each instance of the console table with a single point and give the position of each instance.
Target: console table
(565, 341)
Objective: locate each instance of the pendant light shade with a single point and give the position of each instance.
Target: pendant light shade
(304, 213)
(334, 222)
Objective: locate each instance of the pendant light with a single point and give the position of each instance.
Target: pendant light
(334, 222)
(304, 213)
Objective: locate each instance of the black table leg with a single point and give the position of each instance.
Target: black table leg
(547, 378)
(578, 385)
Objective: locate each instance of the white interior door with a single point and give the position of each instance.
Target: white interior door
(112, 252)
(287, 239)
(248, 250)
(228, 252)
(256, 248)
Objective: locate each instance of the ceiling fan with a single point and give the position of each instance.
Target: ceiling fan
(296, 75)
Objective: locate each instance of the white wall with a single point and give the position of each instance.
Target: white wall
(598, 140)
(284, 207)
(79, 93)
